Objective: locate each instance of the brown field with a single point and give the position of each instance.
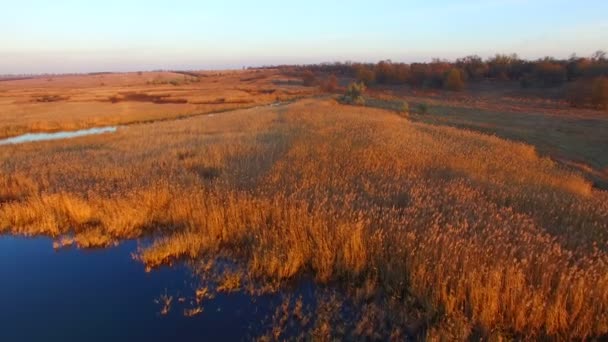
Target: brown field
(575, 137)
(428, 231)
(47, 104)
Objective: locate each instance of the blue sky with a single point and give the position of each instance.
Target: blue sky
(82, 36)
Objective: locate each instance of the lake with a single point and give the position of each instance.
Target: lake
(105, 295)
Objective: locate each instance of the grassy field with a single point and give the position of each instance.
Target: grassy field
(55, 103)
(572, 136)
(426, 231)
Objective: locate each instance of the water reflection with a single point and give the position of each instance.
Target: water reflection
(104, 295)
(31, 137)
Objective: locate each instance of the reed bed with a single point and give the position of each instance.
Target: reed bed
(432, 232)
(83, 101)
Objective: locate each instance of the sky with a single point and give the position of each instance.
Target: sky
(63, 36)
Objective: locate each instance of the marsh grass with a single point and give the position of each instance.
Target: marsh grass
(83, 101)
(164, 301)
(399, 106)
(428, 231)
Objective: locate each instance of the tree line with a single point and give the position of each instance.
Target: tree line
(585, 78)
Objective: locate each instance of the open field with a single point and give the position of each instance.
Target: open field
(427, 231)
(572, 136)
(47, 104)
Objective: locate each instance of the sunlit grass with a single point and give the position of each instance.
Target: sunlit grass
(76, 102)
(482, 234)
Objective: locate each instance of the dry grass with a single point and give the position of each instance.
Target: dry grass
(482, 235)
(573, 136)
(77, 102)
(165, 302)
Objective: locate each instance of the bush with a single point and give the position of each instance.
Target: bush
(436, 76)
(454, 80)
(578, 93)
(330, 85)
(388, 72)
(596, 69)
(474, 67)
(589, 92)
(356, 89)
(404, 107)
(599, 93)
(418, 73)
(576, 67)
(308, 78)
(354, 93)
(366, 75)
(501, 66)
(550, 73)
(526, 81)
(384, 72)
(422, 108)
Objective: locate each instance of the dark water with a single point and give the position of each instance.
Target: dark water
(104, 295)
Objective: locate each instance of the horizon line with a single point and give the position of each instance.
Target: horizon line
(270, 66)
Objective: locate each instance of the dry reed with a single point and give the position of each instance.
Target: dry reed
(482, 233)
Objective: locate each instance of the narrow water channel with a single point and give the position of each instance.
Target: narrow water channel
(32, 137)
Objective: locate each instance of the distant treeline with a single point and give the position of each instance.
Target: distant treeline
(17, 77)
(586, 77)
(14, 78)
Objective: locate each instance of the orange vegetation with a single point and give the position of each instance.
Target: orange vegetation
(47, 104)
(479, 234)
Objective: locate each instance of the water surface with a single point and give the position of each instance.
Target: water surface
(32, 137)
(104, 295)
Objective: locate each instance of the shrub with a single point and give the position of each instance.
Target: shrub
(526, 81)
(550, 73)
(366, 75)
(422, 108)
(576, 67)
(388, 72)
(356, 89)
(473, 66)
(403, 107)
(438, 69)
(331, 84)
(578, 94)
(359, 101)
(589, 92)
(598, 68)
(384, 72)
(354, 93)
(454, 80)
(599, 93)
(418, 73)
(51, 98)
(308, 78)
(428, 75)
(500, 66)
